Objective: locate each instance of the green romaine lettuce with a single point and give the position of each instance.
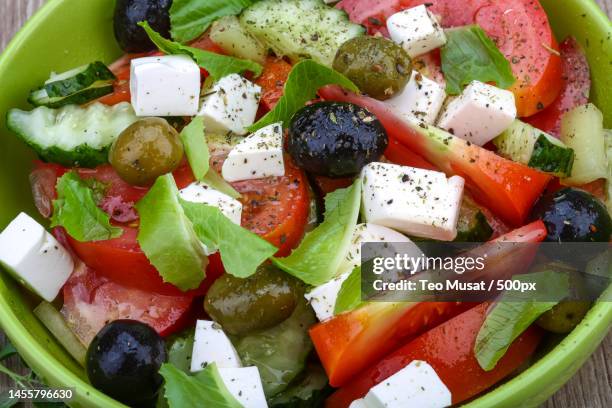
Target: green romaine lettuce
(205, 389)
(322, 251)
(217, 65)
(303, 83)
(241, 250)
(469, 55)
(75, 209)
(167, 237)
(191, 18)
(349, 297)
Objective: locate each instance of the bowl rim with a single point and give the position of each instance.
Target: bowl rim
(597, 321)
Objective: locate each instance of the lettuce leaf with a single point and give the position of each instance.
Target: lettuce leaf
(205, 389)
(515, 312)
(193, 137)
(241, 250)
(75, 209)
(191, 18)
(303, 83)
(349, 297)
(217, 65)
(469, 55)
(323, 249)
(167, 237)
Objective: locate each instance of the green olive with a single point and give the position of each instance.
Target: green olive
(564, 316)
(258, 302)
(378, 66)
(146, 150)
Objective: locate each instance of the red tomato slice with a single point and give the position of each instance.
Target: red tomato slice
(272, 81)
(350, 342)
(507, 188)
(519, 27)
(92, 300)
(400, 154)
(449, 349)
(521, 30)
(575, 88)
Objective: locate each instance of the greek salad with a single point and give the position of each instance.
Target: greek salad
(208, 193)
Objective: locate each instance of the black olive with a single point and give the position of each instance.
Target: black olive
(124, 359)
(335, 139)
(128, 13)
(572, 215)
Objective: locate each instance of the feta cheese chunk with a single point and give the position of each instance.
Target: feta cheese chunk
(211, 345)
(230, 106)
(34, 257)
(245, 385)
(257, 156)
(416, 30)
(323, 297)
(359, 403)
(167, 85)
(480, 114)
(416, 385)
(420, 101)
(417, 202)
(199, 192)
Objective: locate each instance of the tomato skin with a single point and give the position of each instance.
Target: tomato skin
(272, 81)
(350, 342)
(91, 300)
(448, 348)
(507, 188)
(400, 154)
(371, 14)
(575, 88)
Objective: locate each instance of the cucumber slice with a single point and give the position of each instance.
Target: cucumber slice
(75, 87)
(472, 225)
(228, 34)
(72, 135)
(525, 144)
(55, 323)
(582, 130)
(300, 29)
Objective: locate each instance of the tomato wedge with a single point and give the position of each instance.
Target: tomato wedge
(507, 188)
(272, 81)
(575, 88)
(92, 300)
(449, 349)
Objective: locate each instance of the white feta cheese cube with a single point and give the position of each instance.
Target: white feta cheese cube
(420, 101)
(480, 114)
(230, 106)
(416, 385)
(245, 385)
(257, 156)
(323, 297)
(359, 403)
(417, 202)
(199, 192)
(166, 85)
(211, 345)
(416, 30)
(34, 257)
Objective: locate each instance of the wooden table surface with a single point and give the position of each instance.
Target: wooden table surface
(591, 387)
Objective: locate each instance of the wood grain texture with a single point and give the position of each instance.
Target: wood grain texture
(591, 387)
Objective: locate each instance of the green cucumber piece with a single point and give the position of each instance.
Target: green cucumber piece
(55, 323)
(228, 34)
(72, 135)
(300, 29)
(472, 225)
(74, 87)
(527, 145)
(582, 130)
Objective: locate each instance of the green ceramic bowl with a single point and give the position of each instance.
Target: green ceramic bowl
(68, 33)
